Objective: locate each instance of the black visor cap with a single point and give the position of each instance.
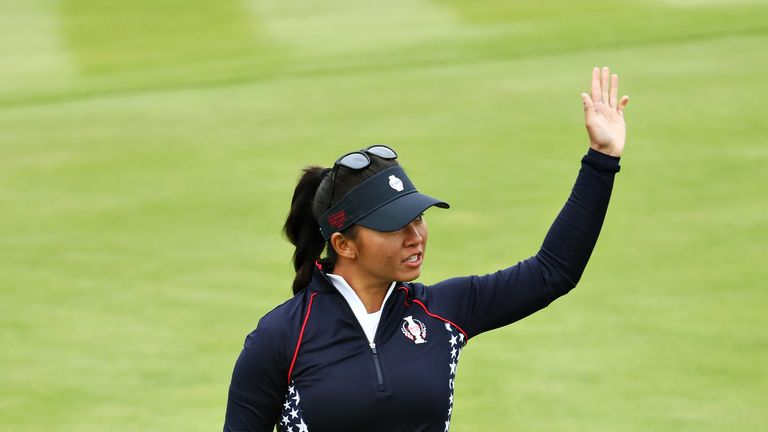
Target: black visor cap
(385, 202)
(400, 212)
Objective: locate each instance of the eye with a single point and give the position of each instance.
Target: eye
(419, 218)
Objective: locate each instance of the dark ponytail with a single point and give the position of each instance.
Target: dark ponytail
(302, 229)
(311, 198)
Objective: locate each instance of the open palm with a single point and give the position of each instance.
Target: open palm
(604, 114)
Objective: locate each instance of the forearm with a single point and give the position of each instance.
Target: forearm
(572, 237)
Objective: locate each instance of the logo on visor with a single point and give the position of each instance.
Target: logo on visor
(337, 219)
(395, 183)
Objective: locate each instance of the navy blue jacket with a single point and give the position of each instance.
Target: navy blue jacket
(308, 366)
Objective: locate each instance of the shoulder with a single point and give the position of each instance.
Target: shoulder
(428, 293)
(424, 292)
(412, 290)
(278, 327)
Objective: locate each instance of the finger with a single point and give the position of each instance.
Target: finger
(604, 85)
(596, 85)
(587, 101)
(622, 103)
(614, 89)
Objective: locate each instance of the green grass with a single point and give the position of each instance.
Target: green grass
(148, 153)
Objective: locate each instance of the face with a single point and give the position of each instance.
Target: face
(391, 256)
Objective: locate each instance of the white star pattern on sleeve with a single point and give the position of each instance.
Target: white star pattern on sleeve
(292, 416)
(303, 427)
(457, 341)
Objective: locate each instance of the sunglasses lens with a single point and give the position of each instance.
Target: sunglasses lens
(354, 160)
(383, 152)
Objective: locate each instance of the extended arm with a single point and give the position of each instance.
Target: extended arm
(482, 303)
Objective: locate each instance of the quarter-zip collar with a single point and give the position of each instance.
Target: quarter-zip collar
(368, 321)
(320, 281)
(322, 284)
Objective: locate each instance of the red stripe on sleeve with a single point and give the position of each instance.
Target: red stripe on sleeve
(301, 335)
(440, 318)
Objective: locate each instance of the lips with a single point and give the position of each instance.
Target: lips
(413, 260)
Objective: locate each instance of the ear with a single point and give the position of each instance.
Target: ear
(344, 246)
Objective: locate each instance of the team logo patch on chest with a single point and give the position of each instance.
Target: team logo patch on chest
(414, 329)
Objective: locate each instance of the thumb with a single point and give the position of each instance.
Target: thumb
(622, 103)
(587, 101)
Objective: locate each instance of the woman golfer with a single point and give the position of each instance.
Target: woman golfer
(360, 347)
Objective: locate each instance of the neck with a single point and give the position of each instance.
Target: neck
(370, 290)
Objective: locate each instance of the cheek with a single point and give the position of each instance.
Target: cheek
(378, 251)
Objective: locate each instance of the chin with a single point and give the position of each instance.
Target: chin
(410, 276)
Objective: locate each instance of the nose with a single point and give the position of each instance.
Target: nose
(412, 235)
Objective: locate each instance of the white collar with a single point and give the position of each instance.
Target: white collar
(368, 321)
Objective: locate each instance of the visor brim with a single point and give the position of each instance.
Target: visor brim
(400, 212)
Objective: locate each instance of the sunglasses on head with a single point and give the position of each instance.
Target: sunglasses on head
(358, 160)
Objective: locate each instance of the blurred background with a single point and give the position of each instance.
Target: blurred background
(149, 149)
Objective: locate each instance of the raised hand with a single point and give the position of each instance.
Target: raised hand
(604, 115)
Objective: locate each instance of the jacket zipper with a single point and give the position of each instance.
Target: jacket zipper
(377, 364)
